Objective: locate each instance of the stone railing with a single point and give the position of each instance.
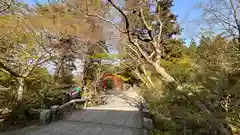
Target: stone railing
(57, 112)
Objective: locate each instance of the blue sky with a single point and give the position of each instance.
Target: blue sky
(34, 1)
(187, 15)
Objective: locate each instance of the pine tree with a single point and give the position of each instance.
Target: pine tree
(168, 19)
(170, 29)
(192, 49)
(170, 46)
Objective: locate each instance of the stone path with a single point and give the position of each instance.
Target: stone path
(120, 116)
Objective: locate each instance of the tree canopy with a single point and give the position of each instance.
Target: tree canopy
(190, 88)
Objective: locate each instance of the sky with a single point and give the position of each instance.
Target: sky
(30, 2)
(187, 12)
(188, 15)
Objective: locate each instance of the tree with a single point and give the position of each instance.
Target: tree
(157, 37)
(31, 42)
(93, 68)
(217, 66)
(5, 5)
(192, 50)
(32, 38)
(65, 19)
(21, 56)
(223, 15)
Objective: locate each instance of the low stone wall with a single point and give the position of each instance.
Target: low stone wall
(57, 112)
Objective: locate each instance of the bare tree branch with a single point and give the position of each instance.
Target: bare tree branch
(127, 24)
(127, 27)
(40, 42)
(160, 29)
(149, 29)
(151, 55)
(99, 16)
(142, 53)
(134, 50)
(7, 7)
(43, 61)
(9, 70)
(144, 20)
(223, 23)
(235, 15)
(221, 18)
(4, 89)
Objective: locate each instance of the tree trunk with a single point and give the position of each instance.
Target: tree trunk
(85, 71)
(94, 85)
(148, 77)
(59, 66)
(96, 81)
(141, 78)
(162, 72)
(95, 88)
(20, 91)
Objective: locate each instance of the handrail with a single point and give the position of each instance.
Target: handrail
(72, 101)
(55, 112)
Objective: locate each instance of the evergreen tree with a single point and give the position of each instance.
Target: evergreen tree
(192, 49)
(170, 46)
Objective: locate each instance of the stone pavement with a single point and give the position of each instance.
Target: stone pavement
(120, 116)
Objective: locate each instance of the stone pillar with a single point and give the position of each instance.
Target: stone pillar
(54, 112)
(45, 116)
